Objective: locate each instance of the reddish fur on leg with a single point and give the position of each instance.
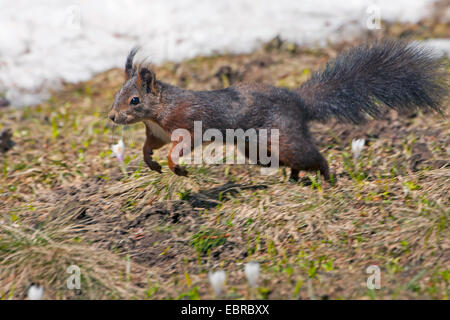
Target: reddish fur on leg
(176, 168)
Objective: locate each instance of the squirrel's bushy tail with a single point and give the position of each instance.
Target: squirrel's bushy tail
(365, 79)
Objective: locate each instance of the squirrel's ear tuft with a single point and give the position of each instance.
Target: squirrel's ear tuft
(147, 79)
(129, 68)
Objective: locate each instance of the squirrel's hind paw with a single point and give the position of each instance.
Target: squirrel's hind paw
(180, 171)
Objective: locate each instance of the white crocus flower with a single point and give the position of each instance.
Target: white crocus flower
(35, 292)
(217, 280)
(357, 146)
(252, 273)
(119, 150)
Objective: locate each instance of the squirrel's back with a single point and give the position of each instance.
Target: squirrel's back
(244, 106)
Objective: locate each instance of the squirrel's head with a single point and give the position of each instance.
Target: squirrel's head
(140, 94)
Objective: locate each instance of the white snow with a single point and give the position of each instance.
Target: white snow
(440, 46)
(46, 42)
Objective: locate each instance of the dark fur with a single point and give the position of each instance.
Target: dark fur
(364, 80)
(358, 83)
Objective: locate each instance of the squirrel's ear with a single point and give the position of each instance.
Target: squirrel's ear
(129, 68)
(147, 79)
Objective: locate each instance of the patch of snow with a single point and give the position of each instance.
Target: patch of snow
(439, 45)
(46, 42)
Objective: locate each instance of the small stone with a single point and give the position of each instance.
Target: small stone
(6, 142)
(4, 102)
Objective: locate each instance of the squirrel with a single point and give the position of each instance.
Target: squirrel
(359, 84)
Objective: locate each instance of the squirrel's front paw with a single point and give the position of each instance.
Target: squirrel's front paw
(180, 171)
(154, 166)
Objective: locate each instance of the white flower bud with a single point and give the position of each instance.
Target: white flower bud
(252, 273)
(357, 146)
(217, 280)
(35, 292)
(119, 150)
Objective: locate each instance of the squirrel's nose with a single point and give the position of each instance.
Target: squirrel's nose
(112, 115)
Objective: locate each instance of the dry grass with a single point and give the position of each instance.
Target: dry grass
(64, 201)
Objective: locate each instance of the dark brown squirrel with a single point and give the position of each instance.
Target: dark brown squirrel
(359, 83)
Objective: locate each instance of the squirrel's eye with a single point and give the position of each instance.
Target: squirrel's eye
(135, 100)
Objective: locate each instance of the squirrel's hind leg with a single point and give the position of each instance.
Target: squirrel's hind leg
(294, 174)
(176, 168)
(303, 156)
